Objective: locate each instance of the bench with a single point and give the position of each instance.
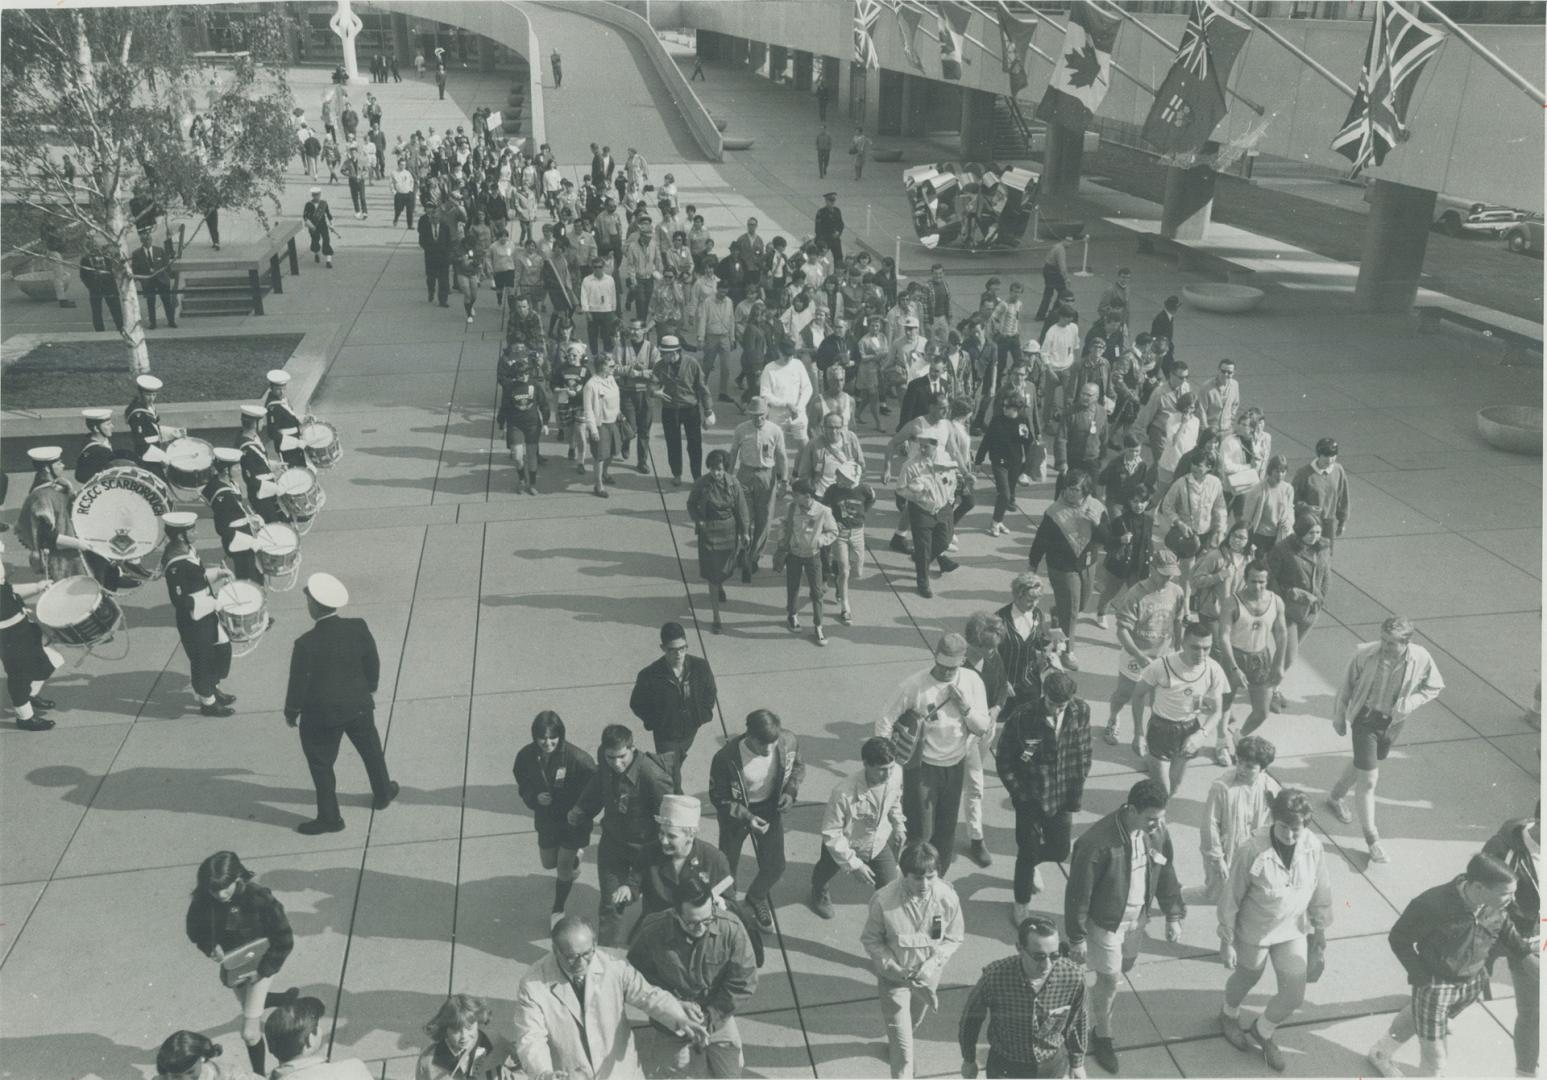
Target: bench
(1517, 344)
(1191, 258)
(280, 242)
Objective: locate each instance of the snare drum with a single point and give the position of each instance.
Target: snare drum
(190, 463)
(320, 441)
(278, 550)
(77, 611)
(118, 513)
(300, 495)
(242, 611)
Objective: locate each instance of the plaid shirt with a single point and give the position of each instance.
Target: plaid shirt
(1054, 779)
(1026, 1024)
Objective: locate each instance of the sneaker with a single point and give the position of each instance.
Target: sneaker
(1277, 703)
(386, 801)
(1111, 735)
(642, 469)
(792, 621)
(214, 708)
(821, 638)
(997, 529)
(1340, 810)
(761, 911)
(947, 565)
(317, 827)
(1378, 853)
(469, 320)
(1230, 1028)
(1223, 756)
(1068, 661)
(980, 854)
(1104, 621)
(221, 698)
(1272, 1053)
(600, 493)
(1381, 1061)
(925, 591)
(531, 489)
(1105, 1052)
(953, 545)
(901, 544)
(820, 903)
(846, 617)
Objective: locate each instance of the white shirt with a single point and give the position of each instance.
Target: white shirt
(757, 775)
(1180, 694)
(1061, 346)
(949, 733)
(598, 294)
(786, 387)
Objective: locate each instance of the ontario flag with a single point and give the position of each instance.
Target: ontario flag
(1082, 70)
(1399, 47)
(1191, 101)
(953, 33)
(866, 12)
(1015, 36)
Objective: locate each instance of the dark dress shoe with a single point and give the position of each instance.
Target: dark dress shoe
(925, 591)
(217, 709)
(947, 565)
(42, 703)
(382, 804)
(37, 723)
(1105, 1052)
(223, 698)
(318, 827)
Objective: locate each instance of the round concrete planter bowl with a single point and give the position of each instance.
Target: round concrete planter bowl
(736, 144)
(886, 155)
(720, 122)
(36, 285)
(1221, 297)
(1516, 428)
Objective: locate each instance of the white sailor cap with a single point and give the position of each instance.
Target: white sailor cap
(226, 455)
(179, 520)
(327, 590)
(279, 377)
(254, 412)
(45, 455)
(94, 417)
(148, 382)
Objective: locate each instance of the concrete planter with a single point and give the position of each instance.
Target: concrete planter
(737, 144)
(1221, 297)
(886, 155)
(1516, 428)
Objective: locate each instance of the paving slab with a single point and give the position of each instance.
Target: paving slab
(1437, 575)
(48, 781)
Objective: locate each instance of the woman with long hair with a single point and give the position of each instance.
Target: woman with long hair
(461, 1046)
(550, 775)
(718, 507)
(241, 926)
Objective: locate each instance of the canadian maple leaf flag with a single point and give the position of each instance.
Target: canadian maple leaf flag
(1082, 73)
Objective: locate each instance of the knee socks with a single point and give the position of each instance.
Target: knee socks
(561, 890)
(256, 1057)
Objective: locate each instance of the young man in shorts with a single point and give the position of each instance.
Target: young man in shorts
(1250, 646)
(1181, 693)
(1149, 619)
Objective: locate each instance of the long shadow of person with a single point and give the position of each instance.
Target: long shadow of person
(213, 792)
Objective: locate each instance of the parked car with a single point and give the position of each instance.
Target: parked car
(1525, 237)
(1475, 219)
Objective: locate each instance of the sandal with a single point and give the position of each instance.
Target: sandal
(1111, 735)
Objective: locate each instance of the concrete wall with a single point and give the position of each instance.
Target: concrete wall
(693, 111)
(1473, 135)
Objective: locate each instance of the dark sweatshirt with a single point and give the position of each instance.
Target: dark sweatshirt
(1440, 939)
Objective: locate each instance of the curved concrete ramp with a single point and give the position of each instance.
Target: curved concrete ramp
(611, 93)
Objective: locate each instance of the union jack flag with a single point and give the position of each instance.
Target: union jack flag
(866, 13)
(1399, 47)
(1193, 53)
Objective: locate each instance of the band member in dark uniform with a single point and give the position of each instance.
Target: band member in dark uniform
(334, 670)
(284, 424)
(257, 470)
(145, 425)
(98, 453)
(232, 517)
(204, 641)
(27, 663)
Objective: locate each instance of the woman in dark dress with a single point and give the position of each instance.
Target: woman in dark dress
(550, 775)
(718, 508)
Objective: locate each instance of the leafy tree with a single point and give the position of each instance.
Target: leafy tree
(100, 109)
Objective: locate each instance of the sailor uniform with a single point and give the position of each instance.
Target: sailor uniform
(231, 518)
(258, 474)
(282, 422)
(27, 663)
(96, 456)
(204, 641)
(145, 431)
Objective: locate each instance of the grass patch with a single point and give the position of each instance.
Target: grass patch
(67, 374)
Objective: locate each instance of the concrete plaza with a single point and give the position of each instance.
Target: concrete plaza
(489, 606)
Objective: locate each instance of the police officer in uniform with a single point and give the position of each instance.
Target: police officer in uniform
(28, 664)
(829, 227)
(257, 470)
(233, 520)
(145, 425)
(284, 424)
(204, 640)
(98, 453)
(334, 670)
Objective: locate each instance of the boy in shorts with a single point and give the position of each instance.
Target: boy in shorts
(1250, 646)
(850, 500)
(1149, 619)
(1181, 694)
(524, 412)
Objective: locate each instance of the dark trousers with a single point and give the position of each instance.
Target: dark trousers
(883, 866)
(1054, 285)
(212, 223)
(636, 407)
(1039, 838)
(811, 568)
(440, 84)
(639, 295)
(153, 290)
(677, 747)
(401, 203)
(615, 861)
(1007, 474)
(601, 328)
(1008, 345)
(931, 803)
(207, 665)
(1071, 592)
(835, 245)
(320, 742)
(437, 278)
(822, 158)
(931, 535)
(1000, 1067)
(322, 240)
(357, 194)
(964, 504)
(769, 846)
(678, 421)
(115, 308)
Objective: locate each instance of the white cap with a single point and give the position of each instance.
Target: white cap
(1033, 345)
(227, 455)
(96, 416)
(327, 590)
(148, 382)
(255, 412)
(279, 377)
(179, 519)
(680, 812)
(45, 455)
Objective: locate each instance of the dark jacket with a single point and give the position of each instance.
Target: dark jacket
(669, 710)
(1098, 879)
(1075, 444)
(495, 1060)
(1438, 939)
(150, 267)
(630, 800)
(1054, 778)
(725, 775)
(97, 274)
(1129, 562)
(915, 399)
(1117, 484)
(1025, 661)
(534, 777)
(1008, 441)
(334, 670)
(253, 913)
(1508, 845)
(717, 972)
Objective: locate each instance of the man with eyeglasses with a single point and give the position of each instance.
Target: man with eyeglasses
(570, 1010)
(1120, 866)
(700, 954)
(1034, 1001)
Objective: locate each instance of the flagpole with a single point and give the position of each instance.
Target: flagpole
(1305, 57)
(1140, 83)
(965, 37)
(1476, 46)
(1156, 35)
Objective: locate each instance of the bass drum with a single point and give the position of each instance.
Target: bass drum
(118, 513)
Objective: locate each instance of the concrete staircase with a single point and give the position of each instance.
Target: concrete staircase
(1013, 130)
(215, 294)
